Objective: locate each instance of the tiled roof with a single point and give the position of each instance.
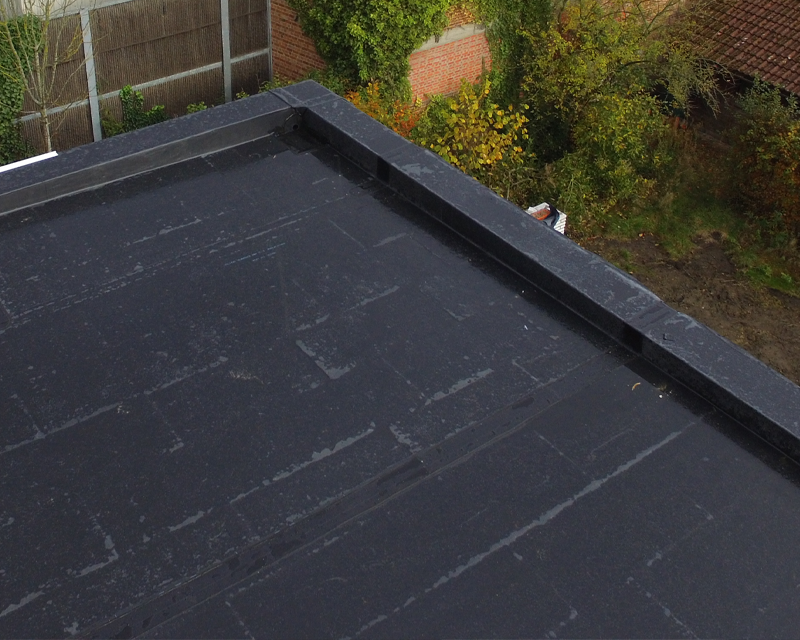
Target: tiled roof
(757, 37)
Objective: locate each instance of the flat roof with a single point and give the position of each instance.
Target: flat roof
(270, 370)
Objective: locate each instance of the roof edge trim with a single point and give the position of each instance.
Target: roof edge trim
(93, 165)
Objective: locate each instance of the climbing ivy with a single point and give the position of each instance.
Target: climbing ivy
(17, 37)
(509, 21)
(371, 40)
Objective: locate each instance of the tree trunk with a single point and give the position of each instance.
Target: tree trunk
(48, 140)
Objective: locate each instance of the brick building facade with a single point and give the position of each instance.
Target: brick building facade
(293, 52)
(440, 69)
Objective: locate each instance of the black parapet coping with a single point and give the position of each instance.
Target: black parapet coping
(160, 145)
(732, 379)
(716, 369)
(350, 131)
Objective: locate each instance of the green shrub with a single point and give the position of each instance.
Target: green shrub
(325, 77)
(474, 134)
(134, 115)
(16, 41)
(765, 168)
(370, 40)
(13, 146)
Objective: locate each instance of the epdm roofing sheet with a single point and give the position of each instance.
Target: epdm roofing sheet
(259, 394)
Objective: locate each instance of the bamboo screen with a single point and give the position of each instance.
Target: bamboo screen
(144, 40)
(249, 34)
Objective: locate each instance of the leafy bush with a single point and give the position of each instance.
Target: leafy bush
(396, 114)
(325, 77)
(13, 146)
(371, 40)
(194, 107)
(509, 23)
(619, 148)
(134, 115)
(476, 135)
(16, 49)
(766, 158)
(591, 71)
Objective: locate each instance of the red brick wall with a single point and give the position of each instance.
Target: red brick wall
(440, 69)
(293, 52)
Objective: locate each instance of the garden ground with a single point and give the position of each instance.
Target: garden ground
(706, 284)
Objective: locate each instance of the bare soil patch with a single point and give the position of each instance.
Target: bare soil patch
(706, 285)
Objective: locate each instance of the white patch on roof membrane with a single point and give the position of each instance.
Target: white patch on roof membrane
(371, 624)
(546, 517)
(403, 438)
(332, 372)
(270, 230)
(321, 455)
(383, 294)
(415, 169)
(109, 545)
(304, 327)
(185, 374)
(686, 630)
(26, 600)
(190, 520)
(347, 234)
(315, 457)
(66, 425)
(167, 230)
(390, 239)
(458, 386)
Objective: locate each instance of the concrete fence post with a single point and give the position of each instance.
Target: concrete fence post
(226, 49)
(91, 75)
(270, 75)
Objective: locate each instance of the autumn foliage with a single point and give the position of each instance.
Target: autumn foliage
(401, 117)
(765, 148)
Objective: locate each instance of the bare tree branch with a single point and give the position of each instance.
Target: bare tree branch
(53, 44)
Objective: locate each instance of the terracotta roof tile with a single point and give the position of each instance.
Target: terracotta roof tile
(757, 37)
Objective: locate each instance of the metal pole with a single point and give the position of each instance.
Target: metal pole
(91, 75)
(226, 49)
